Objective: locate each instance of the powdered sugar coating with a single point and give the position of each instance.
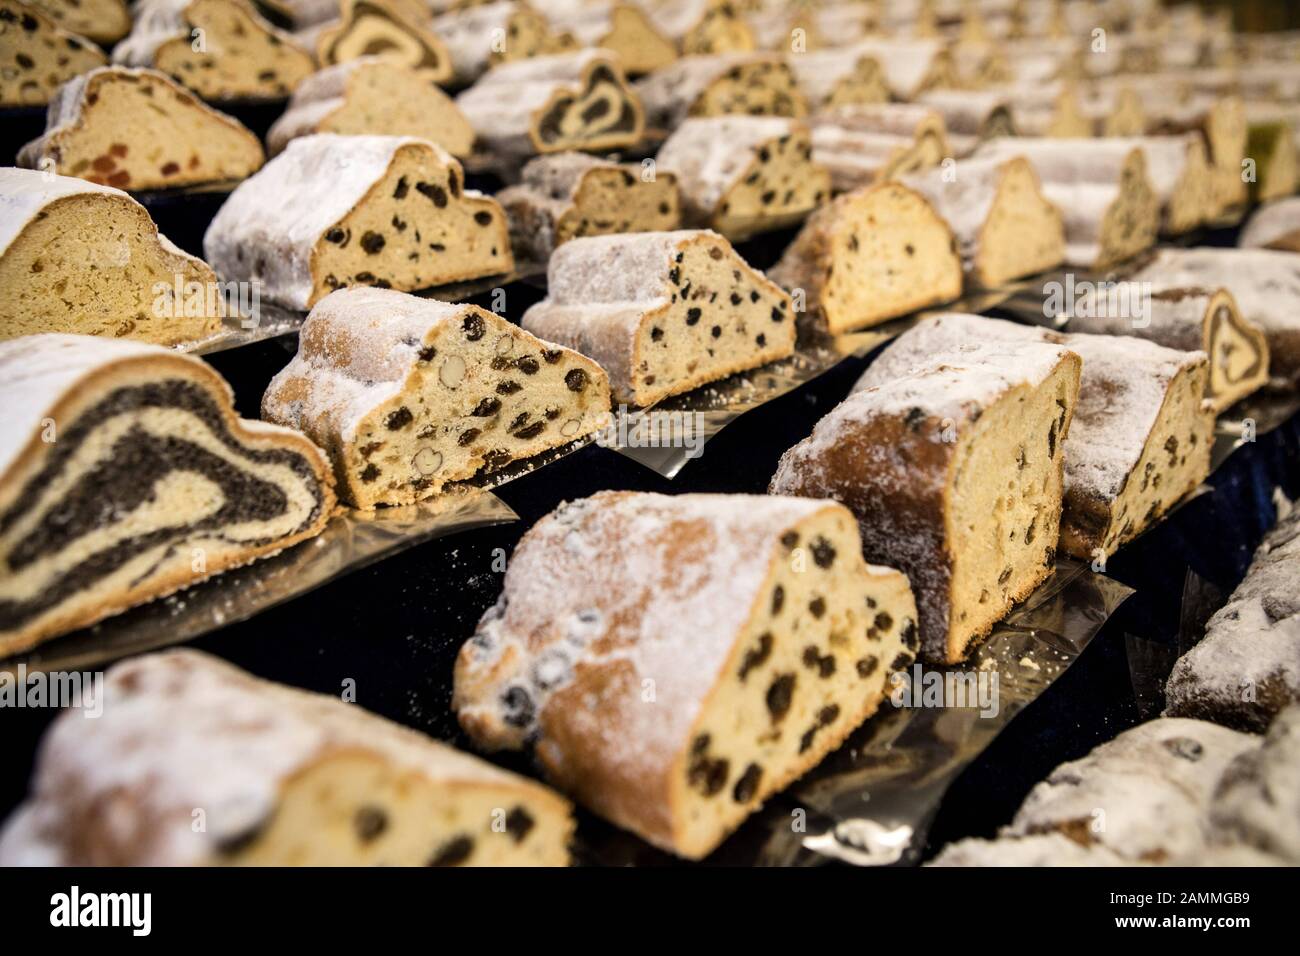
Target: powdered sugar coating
(1258, 800)
(1265, 282)
(182, 731)
(1047, 849)
(1273, 221)
(711, 154)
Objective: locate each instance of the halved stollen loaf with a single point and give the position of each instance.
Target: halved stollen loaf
(104, 21)
(205, 764)
(408, 395)
(241, 56)
(674, 660)
(79, 257)
(1112, 211)
(751, 84)
(911, 66)
(861, 145)
(623, 27)
(567, 196)
(1191, 319)
(43, 54)
(662, 312)
(1265, 283)
(1272, 145)
(1004, 225)
(1050, 109)
(488, 34)
(1246, 668)
(1275, 225)
(839, 76)
(1142, 432)
(140, 129)
(869, 256)
(702, 26)
(381, 28)
(1221, 120)
(955, 476)
(372, 96)
(743, 175)
(549, 104)
(1257, 803)
(125, 475)
(333, 211)
(972, 116)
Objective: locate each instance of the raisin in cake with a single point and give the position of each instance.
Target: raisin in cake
(409, 395)
(1273, 226)
(840, 76)
(140, 129)
(372, 95)
(43, 55)
(241, 56)
(1005, 227)
(276, 776)
(1265, 283)
(103, 21)
(1191, 319)
(623, 27)
(1247, 667)
(931, 465)
(1144, 796)
(489, 34)
(703, 26)
(549, 104)
(674, 660)
(1257, 803)
(743, 175)
(750, 84)
(1112, 211)
(380, 28)
(662, 312)
(333, 211)
(570, 195)
(125, 475)
(79, 257)
(869, 256)
(1141, 435)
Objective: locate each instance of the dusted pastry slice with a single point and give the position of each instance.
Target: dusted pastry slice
(408, 394)
(103, 21)
(866, 144)
(241, 56)
(568, 195)
(380, 28)
(662, 312)
(1049, 109)
(703, 26)
(750, 84)
(1258, 800)
(840, 76)
(911, 66)
(1046, 849)
(549, 104)
(333, 211)
(1112, 211)
(1005, 227)
(954, 474)
(1142, 432)
(1277, 167)
(1190, 319)
(972, 117)
(376, 96)
(743, 175)
(278, 776)
(1222, 121)
(674, 660)
(1273, 226)
(1144, 796)
(43, 55)
(125, 475)
(489, 34)
(622, 27)
(140, 129)
(79, 257)
(870, 256)
(1265, 283)
(1247, 667)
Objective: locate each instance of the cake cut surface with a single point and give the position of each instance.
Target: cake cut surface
(140, 129)
(125, 475)
(103, 21)
(408, 395)
(282, 777)
(675, 660)
(748, 84)
(333, 211)
(43, 54)
(382, 28)
(662, 312)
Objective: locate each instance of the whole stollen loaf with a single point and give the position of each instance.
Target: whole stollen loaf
(195, 762)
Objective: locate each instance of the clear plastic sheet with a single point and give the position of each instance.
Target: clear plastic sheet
(351, 540)
(871, 802)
